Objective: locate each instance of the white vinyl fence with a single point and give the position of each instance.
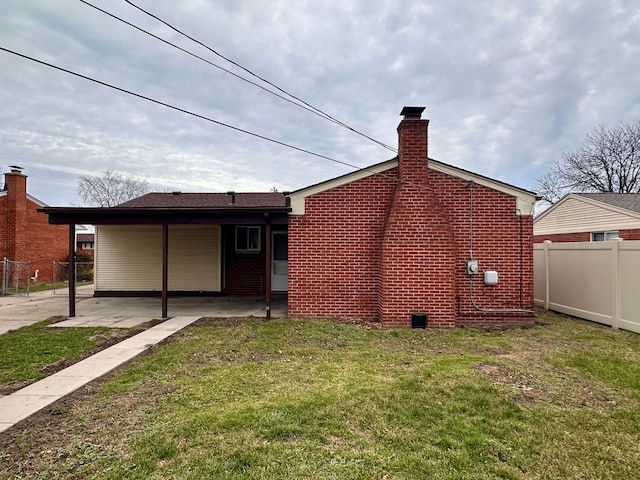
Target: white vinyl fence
(598, 281)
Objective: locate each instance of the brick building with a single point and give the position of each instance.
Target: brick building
(402, 241)
(397, 239)
(26, 235)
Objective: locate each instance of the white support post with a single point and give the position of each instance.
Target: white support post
(616, 294)
(545, 244)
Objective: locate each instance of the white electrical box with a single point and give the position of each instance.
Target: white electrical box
(490, 277)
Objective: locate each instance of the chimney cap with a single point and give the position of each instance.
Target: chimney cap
(412, 112)
(15, 169)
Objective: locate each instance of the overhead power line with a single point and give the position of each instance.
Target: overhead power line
(240, 77)
(301, 103)
(173, 107)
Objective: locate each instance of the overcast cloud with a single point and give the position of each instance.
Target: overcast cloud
(508, 85)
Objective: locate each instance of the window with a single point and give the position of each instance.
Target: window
(247, 239)
(603, 236)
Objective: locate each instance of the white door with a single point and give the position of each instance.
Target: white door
(279, 269)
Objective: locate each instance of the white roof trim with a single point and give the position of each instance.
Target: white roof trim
(38, 202)
(525, 200)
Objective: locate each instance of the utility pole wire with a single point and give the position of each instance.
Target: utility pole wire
(217, 122)
(240, 77)
(319, 112)
(202, 117)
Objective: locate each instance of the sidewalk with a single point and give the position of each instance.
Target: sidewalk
(27, 401)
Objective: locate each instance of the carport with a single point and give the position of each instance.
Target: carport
(166, 210)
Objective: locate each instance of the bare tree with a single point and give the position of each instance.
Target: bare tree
(609, 161)
(110, 189)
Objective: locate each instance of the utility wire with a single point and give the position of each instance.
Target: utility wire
(319, 112)
(200, 58)
(202, 117)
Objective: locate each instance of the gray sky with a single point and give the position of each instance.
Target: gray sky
(508, 85)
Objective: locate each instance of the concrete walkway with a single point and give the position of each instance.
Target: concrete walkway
(27, 401)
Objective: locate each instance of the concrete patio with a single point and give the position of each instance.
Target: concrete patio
(125, 312)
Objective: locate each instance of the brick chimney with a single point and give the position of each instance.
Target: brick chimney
(15, 213)
(417, 262)
(413, 143)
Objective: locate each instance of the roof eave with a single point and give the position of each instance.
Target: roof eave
(162, 215)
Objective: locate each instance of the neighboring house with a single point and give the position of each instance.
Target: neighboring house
(84, 241)
(402, 240)
(590, 217)
(26, 235)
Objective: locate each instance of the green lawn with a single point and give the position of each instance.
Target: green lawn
(33, 352)
(321, 400)
(29, 353)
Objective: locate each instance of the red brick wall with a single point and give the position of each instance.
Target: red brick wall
(26, 234)
(501, 241)
(334, 255)
(394, 244)
(564, 237)
(334, 251)
(631, 234)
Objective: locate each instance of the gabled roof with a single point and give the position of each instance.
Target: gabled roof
(590, 212)
(206, 200)
(525, 198)
(628, 201)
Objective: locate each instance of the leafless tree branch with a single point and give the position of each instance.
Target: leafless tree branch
(609, 161)
(110, 189)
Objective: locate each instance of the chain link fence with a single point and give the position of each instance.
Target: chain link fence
(60, 282)
(16, 277)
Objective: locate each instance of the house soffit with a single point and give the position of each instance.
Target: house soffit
(298, 197)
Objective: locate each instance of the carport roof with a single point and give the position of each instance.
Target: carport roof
(180, 208)
(206, 200)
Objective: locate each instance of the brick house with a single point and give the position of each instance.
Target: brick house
(26, 235)
(590, 217)
(397, 239)
(404, 240)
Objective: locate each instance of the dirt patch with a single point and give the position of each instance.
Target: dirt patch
(219, 322)
(357, 322)
(533, 383)
(524, 387)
